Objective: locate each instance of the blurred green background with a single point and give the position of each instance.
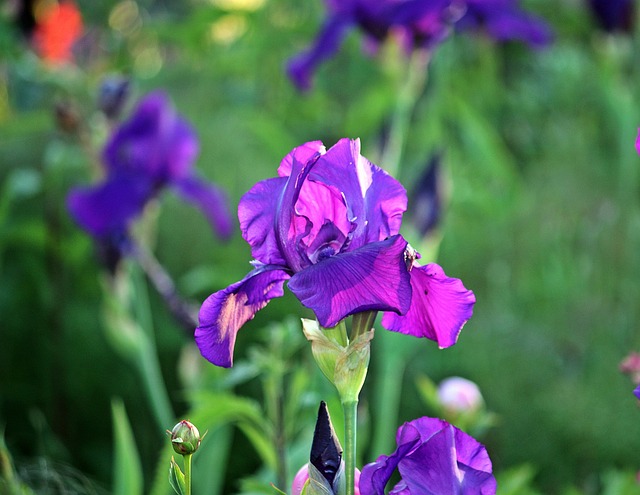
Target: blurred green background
(542, 223)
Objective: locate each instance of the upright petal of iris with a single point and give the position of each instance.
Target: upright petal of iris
(223, 313)
(440, 306)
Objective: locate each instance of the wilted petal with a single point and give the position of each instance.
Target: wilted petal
(302, 67)
(373, 277)
(257, 214)
(224, 312)
(211, 200)
(107, 209)
(440, 306)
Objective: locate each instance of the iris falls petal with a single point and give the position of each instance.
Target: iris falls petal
(224, 312)
(440, 306)
(373, 277)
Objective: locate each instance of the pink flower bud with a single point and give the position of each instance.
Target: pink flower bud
(302, 476)
(459, 394)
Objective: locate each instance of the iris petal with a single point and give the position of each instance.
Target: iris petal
(373, 277)
(302, 67)
(107, 209)
(257, 214)
(440, 306)
(433, 457)
(211, 200)
(224, 312)
(375, 200)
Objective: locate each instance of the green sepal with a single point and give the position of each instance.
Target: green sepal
(317, 484)
(177, 478)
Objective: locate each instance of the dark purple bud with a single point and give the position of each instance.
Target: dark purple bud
(427, 198)
(112, 95)
(614, 15)
(326, 452)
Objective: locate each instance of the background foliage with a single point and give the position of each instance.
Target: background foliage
(543, 223)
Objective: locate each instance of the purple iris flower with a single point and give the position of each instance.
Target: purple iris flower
(418, 23)
(503, 20)
(614, 15)
(433, 458)
(636, 392)
(329, 225)
(152, 150)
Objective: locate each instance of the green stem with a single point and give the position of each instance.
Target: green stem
(408, 95)
(148, 362)
(350, 432)
(187, 473)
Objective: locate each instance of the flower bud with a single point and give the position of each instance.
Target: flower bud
(185, 438)
(459, 395)
(302, 476)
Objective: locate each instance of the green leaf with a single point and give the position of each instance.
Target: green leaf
(127, 475)
(176, 478)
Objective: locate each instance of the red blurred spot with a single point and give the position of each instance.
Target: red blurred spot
(58, 27)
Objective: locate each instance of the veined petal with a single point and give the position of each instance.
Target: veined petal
(440, 306)
(375, 200)
(257, 215)
(108, 208)
(373, 277)
(223, 313)
(210, 199)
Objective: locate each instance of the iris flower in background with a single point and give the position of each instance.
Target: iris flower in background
(329, 225)
(636, 392)
(433, 457)
(153, 150)
(504, 20)
(614, 15)
(58, 27)
(417, 23)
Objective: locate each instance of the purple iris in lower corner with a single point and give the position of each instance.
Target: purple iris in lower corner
(152, 150)
(636, 392)
(433, 458)
(328, 224)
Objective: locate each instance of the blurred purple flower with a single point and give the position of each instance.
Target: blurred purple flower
(636, 392)
(614, 15)
(153, 150)
(418, 23)
(433, 457)
(503, 20)
(329, 224)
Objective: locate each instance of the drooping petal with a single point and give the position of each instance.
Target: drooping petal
(302, 67)
(224, 312)
(211, 200)
(440, 306)
(107, 209)
(257, 214)
(373, 277)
